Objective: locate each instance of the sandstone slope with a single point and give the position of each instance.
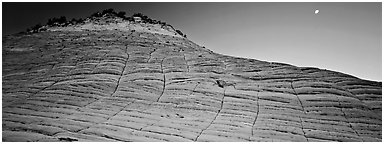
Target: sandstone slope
(113, 80)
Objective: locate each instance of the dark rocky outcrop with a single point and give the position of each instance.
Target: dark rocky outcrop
(112, 80)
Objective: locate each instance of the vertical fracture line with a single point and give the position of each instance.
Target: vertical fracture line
(106, 119)
(18, 101)
(345, 116)
(122, 73)
(217, 114)
(194, 89)
(93, 70)
(162, 71)
(257, 115)
(118, 81)
(186, 62)
(302, 108)
(150, 54)
(162, 92)
(120, 110)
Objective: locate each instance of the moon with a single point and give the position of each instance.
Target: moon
(317, 11)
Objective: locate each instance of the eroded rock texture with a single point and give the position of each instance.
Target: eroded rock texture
(113, 85)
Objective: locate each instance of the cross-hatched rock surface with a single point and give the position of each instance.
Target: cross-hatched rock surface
(114, 85)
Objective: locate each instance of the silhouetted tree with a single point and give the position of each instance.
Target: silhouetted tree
(62, 20)
(121, 14)
(73, 21)
(57, 21)
(96, 14)
(109, 11)
(162, 23)
(179, 32)
(50, 21)
(80, 20)
(36, 28)
(137, 15)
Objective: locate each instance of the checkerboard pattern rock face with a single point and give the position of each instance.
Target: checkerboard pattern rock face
(142, 85)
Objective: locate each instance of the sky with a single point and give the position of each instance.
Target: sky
(343, 37)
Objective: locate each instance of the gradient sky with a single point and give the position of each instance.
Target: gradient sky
(344, 37)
